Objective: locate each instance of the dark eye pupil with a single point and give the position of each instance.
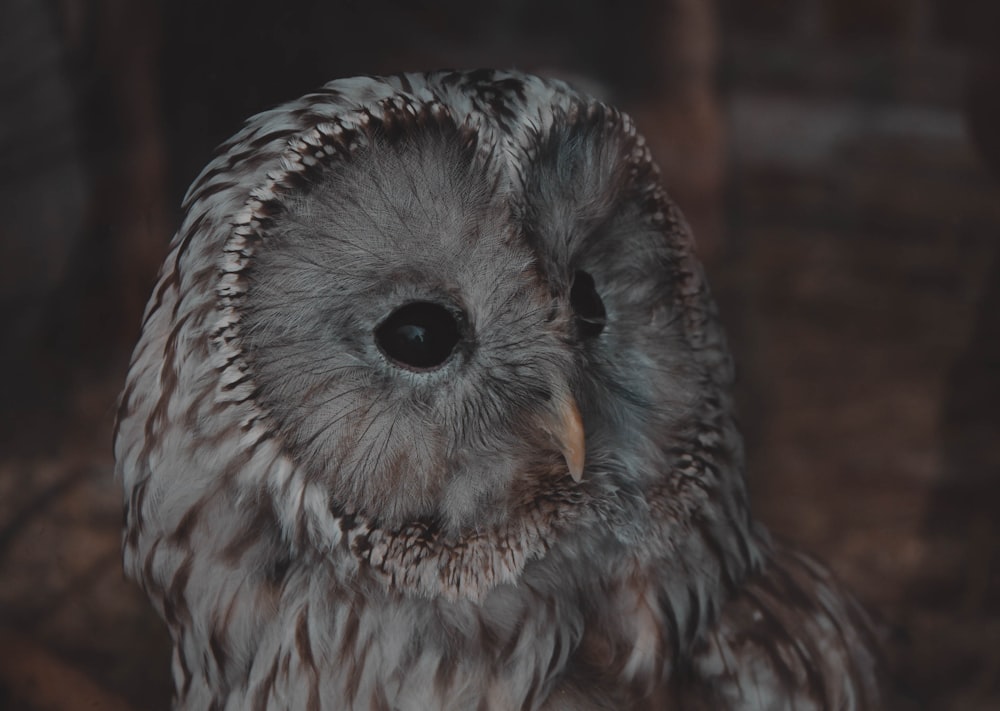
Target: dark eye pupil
(586, 302)
(418, 336)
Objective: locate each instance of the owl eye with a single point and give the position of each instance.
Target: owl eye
(418, 336)
(586, 302)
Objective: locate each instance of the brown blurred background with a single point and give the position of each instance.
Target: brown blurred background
(839, 160)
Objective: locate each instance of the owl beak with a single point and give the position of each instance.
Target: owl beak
(568, 433)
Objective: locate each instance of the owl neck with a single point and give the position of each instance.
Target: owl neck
(567, 560)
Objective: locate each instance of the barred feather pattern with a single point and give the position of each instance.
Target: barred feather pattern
(320, 530)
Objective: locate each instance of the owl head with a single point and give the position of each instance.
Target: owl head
(456, 304)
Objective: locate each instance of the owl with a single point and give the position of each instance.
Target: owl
(431, 410)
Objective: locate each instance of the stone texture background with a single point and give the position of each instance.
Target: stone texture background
(839, 160)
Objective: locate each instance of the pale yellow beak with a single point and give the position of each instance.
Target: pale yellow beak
(566, 428)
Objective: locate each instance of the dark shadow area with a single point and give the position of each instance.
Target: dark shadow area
(961, 583)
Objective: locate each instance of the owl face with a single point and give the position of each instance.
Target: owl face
(424, 325)
(441, 328)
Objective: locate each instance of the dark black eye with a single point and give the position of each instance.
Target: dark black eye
(586, 302)
(418, 336)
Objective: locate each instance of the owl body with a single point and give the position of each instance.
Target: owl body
(431, 410)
